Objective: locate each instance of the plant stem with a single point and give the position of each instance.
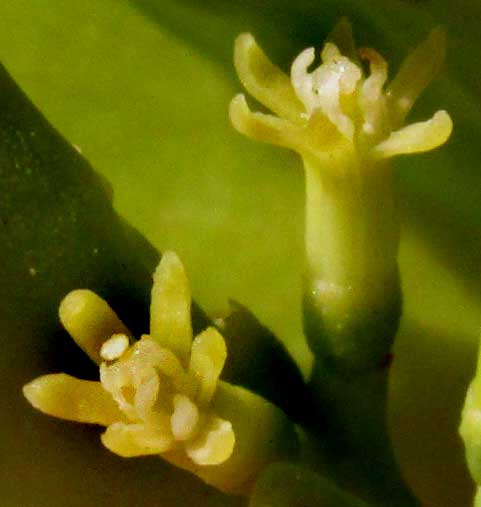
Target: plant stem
(353, 440)
(352, 306)
(352, 297)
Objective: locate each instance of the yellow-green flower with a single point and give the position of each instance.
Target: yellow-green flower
(337, 111)
(346, 122)
(162, 393)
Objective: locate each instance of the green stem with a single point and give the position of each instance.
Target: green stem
(352, 305)
(353, 440)
(352, 294)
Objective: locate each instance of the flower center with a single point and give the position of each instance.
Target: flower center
(328, 86)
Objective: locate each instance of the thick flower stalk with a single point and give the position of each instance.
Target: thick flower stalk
(162, 393)
(346, 124)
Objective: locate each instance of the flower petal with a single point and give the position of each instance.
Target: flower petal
(90, 321)
(170, 318)
(417, 137)
(265, 81)
(214, 445)
(415, 74)
(207, 359)
(70, 398)
(130, 440)
(265, 127)
(371, 98)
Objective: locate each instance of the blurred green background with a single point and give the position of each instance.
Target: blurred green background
(143, 87)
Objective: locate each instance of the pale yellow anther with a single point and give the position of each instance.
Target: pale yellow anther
(90, 321)
(114, 347)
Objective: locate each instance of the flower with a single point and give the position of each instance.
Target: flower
(345, 123)
(336, 111)
(159, 400)
(162, 394)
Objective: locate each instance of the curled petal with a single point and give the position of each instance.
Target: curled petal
(69, 398)
(417, 137)
(130, 440)
(264, 127)
(371, 99)
(170, 320)
(341, 35)
(214, 444)
(302, 79)
(90, 321)
(415, 74)
(323, 88)
(207, 360)
(264, 81)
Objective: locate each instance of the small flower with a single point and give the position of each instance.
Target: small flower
(336, 108)
(162, 385)
(162, 393)
(345, 122)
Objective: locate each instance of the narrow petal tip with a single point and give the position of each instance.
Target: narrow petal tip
(238, 109)
(73, 399)
(31, 392)
(242, 43)
(170, 318)
(264, 127)
(47, 392)
(266, 82)
(417, 137)
(416, 73)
